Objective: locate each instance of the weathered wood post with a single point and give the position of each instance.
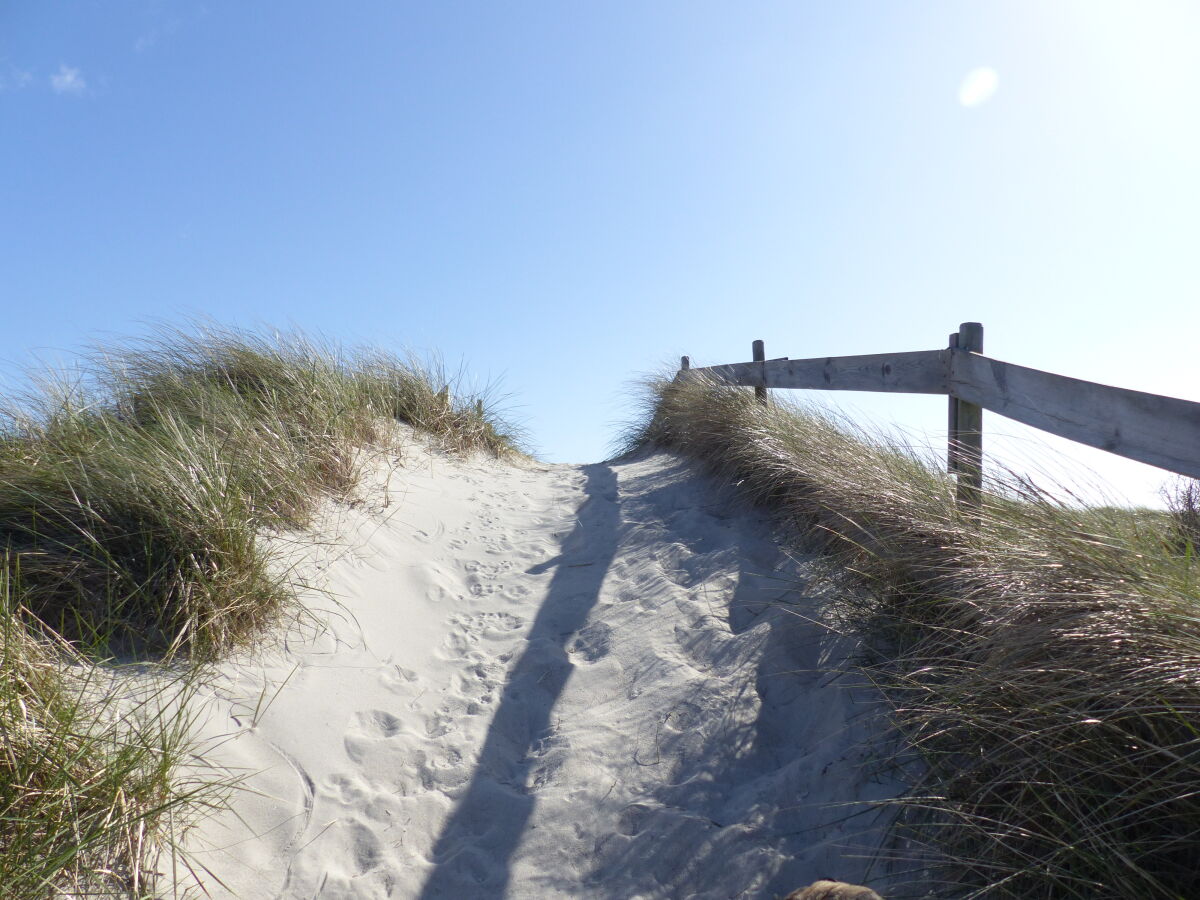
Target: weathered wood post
(759, 355)
(952, 427)
(685, 365)
(966, 428)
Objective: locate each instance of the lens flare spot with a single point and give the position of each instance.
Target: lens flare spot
(978, 86)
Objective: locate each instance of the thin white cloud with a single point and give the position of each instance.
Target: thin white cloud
(14, 79)
(67, 80)
(166, 26)
(978, 86)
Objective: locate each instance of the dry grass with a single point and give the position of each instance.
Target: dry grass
(86, 775)
(135, 499)
(1043, 660)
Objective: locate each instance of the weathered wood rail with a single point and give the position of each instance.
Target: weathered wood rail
(1160, 431)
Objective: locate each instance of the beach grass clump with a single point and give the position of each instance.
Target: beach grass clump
(138, 501)
(1183, 500)
(134, 496)
(1041, 657)
(87, 776)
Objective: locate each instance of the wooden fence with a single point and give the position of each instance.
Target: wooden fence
(1161, 431)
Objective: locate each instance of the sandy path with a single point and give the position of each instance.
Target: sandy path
(557, 681)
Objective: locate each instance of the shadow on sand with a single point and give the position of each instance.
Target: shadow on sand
(733, 786)
(474, 849)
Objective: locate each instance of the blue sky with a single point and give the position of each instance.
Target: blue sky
(563, 195)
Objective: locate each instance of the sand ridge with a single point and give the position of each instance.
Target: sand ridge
(544, 681)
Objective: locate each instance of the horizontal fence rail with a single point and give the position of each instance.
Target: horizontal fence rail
(1160, 431)
(922, 372)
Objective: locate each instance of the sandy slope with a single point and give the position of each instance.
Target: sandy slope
(547, 681)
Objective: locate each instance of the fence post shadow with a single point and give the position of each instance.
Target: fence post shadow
(473, 852)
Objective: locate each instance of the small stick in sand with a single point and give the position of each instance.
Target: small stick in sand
(826, 889)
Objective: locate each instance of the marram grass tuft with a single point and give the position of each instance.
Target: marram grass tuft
(87, 774)
(1042, 660)
(133, 500)
(137, 502)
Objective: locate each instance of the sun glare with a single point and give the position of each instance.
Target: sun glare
(978, 86)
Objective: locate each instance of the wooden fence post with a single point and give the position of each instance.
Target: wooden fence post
(759, 355)
(952, 428)
(685, 363)
(966, 422)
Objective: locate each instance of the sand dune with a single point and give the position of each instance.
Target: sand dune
(545, 681)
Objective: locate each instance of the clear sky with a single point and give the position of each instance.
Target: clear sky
(563, 195)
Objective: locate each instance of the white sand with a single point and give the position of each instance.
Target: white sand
(548, 681)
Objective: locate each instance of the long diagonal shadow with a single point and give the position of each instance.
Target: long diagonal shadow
(473, 852)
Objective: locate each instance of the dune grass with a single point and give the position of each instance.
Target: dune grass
(86, 776)
(135, 499)
(1042, 660)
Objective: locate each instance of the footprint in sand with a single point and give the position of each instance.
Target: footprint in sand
(469, 630)
(352, 847)
(550, 755)
(397, 679)
(498, 624)
(371, 743)
(376, 723)
(593, 642)
(633, 818)
(345, 789)
(394, 762)
(683, 716)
